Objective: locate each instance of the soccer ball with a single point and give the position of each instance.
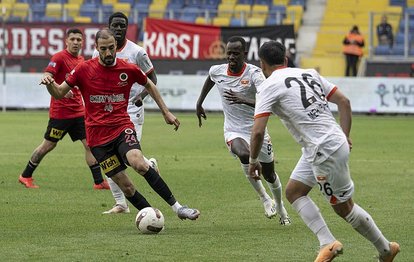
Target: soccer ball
(150, 220)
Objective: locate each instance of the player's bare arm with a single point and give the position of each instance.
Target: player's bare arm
(155, 94)
(144, 93)
(344, 111)
(55, 90)
(208, 85)
(236, 98)
(256, 141)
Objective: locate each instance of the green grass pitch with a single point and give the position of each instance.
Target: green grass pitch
(62, 220)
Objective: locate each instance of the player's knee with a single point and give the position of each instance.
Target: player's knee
(128, 189)
(139, 165)
(244, 157)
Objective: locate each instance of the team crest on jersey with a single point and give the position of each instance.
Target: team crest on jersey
(129, 131)
(123, 77)
(52, 64)
(244, 82)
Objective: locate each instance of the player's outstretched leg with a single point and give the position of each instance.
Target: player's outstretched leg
(390, 255)
(121, 206)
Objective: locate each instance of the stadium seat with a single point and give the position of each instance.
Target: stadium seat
(221, 21)
(327, 66)
(123, 7)
(382, 50)
(160, 2)
(106, 10)
(89, 10)
(280, 2)
(71, 10)
(229, 2)
(189, 14)
(156, 10)
(260, 11)
(237, 22)
(256, 21)
(78, 2)
(108, 2)
(245, 2)
(7, 7)
(264, 2)
(225, 10)
(201, 20)
(38, 11)
(54, 10)
(241, 10)
(82, 19)
(21, 11)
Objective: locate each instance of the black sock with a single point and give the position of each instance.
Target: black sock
(30, 168)
(96, 173)
(138, 201)
(159, 186)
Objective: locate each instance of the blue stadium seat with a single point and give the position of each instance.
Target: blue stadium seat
(402, 3)
(397, 50)
(382, 50)
(264, 2)
(189, 14)
(38, 11)
(298, 2)
(89, 10)
(132, 2)
(237, 22)
(245, 2)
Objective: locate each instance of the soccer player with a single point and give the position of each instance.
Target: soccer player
(105, 83)
(132, 53)
(300, 98)
(65, 115)
(237, 82)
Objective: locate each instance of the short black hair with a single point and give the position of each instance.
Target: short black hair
(273, 53)
(240, 39)
(73, 31)
(104, 33)
(119, 15)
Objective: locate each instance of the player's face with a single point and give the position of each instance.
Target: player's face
(119, 27)
(107, 50)
(74, 43)
(235, 56)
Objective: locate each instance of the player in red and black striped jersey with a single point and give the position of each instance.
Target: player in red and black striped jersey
(65, 115)
(105, 83)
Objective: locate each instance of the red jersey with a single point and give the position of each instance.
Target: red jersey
(60, 66)
(105, 91)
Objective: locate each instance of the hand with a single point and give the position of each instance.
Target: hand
(255, 170)
(69, 94)
(47, 80)
(139, 102)
(200, 114)
(234, 98)
(172, 120)
(349, 143)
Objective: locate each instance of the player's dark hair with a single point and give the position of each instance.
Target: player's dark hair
(119, 15)
(273, 53)
(235, 39)
(104, 33)
(73, 31)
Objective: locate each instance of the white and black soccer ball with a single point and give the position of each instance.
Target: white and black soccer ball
(149, 220)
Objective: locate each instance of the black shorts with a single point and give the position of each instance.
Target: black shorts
(112, 156)
(57, 129)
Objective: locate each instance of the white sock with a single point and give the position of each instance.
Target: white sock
(312, 217)
(176, 206)
(276, 189)
(117, 193)
(363, 223)
(257, 184)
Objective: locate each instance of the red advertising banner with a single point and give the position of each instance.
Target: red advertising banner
(42, 40)
(169, 39)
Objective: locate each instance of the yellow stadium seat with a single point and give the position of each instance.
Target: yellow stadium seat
(280, 2)
(72, 10)
(260, 11)
(21, 10)
(8, 1)
(160, 2)
(109, 2)
(225, 10)
(221, 21)
(229, 2)
(7, 7)
(327, 66)
(410, 3)
(242, 11)
(122, 7)
(54, 10)
(256, 21)
(156, 11)
(82, 19)
(201, 20)
(294, 12)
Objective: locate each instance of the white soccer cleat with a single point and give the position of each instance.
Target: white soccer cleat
(284, 217)
(185, 212)
(270, 208)
(117, 209)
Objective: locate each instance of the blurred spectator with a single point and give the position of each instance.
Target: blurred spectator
(352, 49)
(384, 32)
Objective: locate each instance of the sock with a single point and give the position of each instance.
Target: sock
(176, 206)
(276, 189)
(257, 184)
(159, 186)
(30, 168)
(363, 223)
(96, 174)
(117, 193)
(312, 217)
(138, 201)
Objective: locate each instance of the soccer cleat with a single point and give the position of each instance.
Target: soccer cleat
(329, 252)
(284, 217)
(154, 164)
(185, 212)
(389, 257)
(270, 208)
(28, 182)
(103, 185)
(117, 209)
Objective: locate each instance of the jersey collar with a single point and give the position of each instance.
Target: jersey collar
(236, 74)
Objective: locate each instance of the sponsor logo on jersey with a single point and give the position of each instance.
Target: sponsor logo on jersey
(106, 98)
(56, 133)
(321, 178)
(110, 164)
(244, 82)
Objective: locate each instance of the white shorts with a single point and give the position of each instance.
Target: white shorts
(266, 154)
(332, 175)
(136, 114)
